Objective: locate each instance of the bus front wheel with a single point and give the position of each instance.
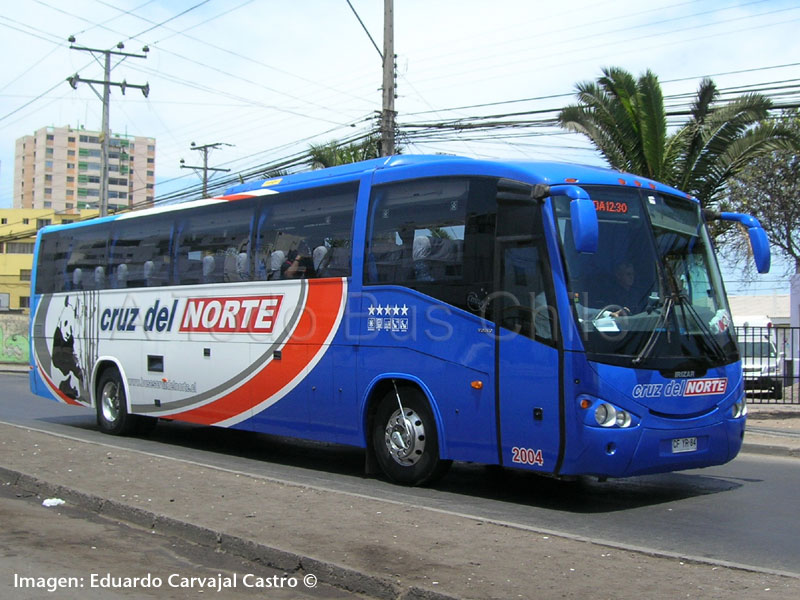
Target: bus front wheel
(405, 440)
(112, 405)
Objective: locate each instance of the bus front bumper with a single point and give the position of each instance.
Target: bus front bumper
(644, 450)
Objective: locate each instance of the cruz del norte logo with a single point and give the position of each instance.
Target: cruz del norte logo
(681, 387)
(248, 314)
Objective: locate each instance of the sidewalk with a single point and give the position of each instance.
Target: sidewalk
(382, 549)
(773, 429)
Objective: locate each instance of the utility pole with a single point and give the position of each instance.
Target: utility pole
(389, 84)
(105, 97)
(389, 87)
(205, 149)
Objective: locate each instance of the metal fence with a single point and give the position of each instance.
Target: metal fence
(770, 364)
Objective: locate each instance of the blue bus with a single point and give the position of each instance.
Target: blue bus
(557, 318)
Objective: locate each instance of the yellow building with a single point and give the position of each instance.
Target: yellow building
(18, 227)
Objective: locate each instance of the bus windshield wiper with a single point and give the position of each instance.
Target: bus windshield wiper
(687, 307)
(666, 309)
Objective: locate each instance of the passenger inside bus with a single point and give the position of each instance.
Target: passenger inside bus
(299, 264)
(242, 262)
(623, 293)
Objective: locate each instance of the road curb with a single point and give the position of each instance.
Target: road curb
(770, 450)
(326, 572)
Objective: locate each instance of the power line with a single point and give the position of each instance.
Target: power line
(172, 18)
(364, 27)
(208, 43)
(39, 97)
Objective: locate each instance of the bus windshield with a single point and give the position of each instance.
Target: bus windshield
(651, 296)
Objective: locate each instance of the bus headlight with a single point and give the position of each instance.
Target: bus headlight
(623, 418)
(607, 415)
(739, 409)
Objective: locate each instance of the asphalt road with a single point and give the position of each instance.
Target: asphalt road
(744, 512)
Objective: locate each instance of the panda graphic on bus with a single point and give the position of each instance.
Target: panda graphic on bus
(68, 372)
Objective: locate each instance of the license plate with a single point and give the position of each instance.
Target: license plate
(684, 445)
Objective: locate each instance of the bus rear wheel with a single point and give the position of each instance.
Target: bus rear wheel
(405, 441)
(112, 405)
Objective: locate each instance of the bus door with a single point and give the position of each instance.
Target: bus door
(527, 401)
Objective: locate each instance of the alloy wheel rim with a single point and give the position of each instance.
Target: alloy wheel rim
(110, 402)
(404, 437)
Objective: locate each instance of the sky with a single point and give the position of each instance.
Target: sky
(269, 77)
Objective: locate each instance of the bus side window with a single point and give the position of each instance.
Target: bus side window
(51, 266)
(139, 252)
(316, 224)
(435, 236)
(213, 244)
(87, 254)
(527, 304)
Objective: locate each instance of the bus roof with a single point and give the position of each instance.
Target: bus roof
(549, 172)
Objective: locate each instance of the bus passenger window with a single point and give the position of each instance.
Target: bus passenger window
(306, 234)
(87, 254)
(213, 245)
(139, 252)
(435, 236)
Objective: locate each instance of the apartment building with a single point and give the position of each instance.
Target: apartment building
(58, 168)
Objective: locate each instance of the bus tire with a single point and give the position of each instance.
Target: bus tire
(112, 406)
(407, 450)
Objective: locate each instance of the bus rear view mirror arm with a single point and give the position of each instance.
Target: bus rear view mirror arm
(581, 209)
(758, 237)
(583, 215)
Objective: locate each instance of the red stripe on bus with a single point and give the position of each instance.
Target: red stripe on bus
(320, 315)
(59, 394)
(234, 197)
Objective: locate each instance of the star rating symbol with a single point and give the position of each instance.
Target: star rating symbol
(387, 310)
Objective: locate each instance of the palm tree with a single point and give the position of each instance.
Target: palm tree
(627, 122)
(333, 153)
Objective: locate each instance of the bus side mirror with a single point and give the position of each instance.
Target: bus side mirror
(584, 218)
(758, 238)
